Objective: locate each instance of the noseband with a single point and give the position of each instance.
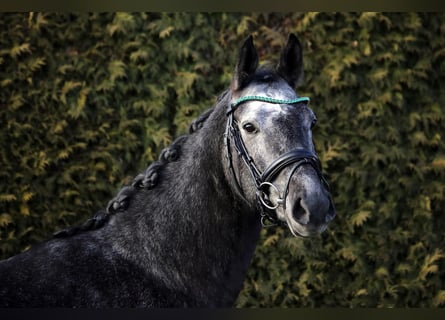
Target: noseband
(263, 180)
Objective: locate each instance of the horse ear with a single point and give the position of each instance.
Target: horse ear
(247, 64)
(290, 66)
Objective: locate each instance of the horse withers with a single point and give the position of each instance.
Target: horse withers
(183, 233)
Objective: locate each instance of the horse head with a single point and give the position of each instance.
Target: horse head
(269, 143)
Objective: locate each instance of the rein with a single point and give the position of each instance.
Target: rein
(263, 180)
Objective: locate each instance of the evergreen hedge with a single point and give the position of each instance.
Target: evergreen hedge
(88, 100)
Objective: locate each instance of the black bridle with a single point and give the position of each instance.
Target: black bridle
(263, 180)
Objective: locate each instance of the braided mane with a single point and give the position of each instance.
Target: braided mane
(146, 180)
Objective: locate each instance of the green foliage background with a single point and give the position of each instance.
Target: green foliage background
(88, 100)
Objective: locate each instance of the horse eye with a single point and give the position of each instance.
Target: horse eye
(314, 122)
(249, 127)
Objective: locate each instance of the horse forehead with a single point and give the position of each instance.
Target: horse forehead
(263, 110)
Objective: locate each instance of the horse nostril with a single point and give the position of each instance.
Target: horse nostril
(316, 212)
(299, 213)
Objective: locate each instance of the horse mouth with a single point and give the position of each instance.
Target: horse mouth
(304, 231)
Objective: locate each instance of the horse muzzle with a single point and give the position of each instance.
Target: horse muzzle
(309, 207)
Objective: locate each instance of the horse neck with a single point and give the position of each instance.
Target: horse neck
(193, 223)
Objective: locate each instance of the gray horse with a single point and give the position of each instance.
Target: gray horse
(184, 232)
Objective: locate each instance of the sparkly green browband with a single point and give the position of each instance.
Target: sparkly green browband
(267, 99)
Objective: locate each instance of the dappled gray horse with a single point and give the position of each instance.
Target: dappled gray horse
(184, 232)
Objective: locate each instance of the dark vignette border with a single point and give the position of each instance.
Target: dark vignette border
(227, 5)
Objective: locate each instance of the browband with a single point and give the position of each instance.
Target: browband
(241, 100)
